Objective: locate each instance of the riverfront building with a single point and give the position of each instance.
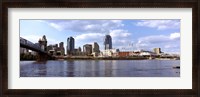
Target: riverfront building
(95, 49)
(61, 48)
(157, 50)
(79, 49)
(70, 45)
(110, 53)
(55, 50)
(87, 49)
(108, 42)
(23, 50)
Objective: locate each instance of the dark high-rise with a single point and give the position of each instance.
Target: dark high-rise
(61, 48)
(70, 45)
(108, 42)
(87, 49)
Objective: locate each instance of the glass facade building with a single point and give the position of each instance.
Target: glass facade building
(108, 42)
(70, 45)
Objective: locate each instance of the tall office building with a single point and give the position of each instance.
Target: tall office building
(108, 42)
(79, 49)
(61, 45)
(61, 48)
(87, 49)
(70, 45)
(95, 47)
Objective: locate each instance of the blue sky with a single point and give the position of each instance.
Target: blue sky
(126, 34)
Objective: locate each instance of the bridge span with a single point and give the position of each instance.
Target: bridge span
(42, 54)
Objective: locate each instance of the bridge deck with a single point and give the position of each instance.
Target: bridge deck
(29, 45)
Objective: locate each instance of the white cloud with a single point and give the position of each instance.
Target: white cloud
(52, 41)
(56, 26)
(85, 25)
(87, 36)
(119, 33)
(154, 39)
(165, 42)
(120, 42)
(171, 46)
(175, 35)
(159, 24)
(123, 44)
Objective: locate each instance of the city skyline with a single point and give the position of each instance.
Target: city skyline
(126, 34)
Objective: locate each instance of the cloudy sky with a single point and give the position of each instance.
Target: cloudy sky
(126, 34)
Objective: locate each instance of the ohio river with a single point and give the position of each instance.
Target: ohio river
(100, 68)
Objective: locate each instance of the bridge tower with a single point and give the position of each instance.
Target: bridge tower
(42, 57)
(43, 43)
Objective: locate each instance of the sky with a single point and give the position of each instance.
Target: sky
(126, 34)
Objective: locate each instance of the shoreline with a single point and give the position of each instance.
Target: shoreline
(107, 58)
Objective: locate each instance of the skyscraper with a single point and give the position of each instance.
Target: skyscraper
(61, 48)
(87, 49)
(95, 47)
(61, 45)
(108, 42)
(70, 45)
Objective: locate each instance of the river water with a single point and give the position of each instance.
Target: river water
(100, 68)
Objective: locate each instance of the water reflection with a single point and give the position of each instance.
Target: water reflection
(96, 68)
(108, 68)
(70, 68)
(100, 68)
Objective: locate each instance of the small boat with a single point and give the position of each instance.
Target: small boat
(176, 67)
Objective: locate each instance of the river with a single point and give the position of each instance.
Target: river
(100, 68)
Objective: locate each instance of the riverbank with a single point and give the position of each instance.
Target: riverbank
(113, 58)
(103, 58)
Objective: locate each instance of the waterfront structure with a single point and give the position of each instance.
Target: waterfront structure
(77, 52)
(87, 49)
(33, 53)
(40, 48)
(70, 45)
(79, 49)
(61, 45)
(110, 53)
(95, 49)
(107, 42)
(157, 50)
(124, 54)
(43, 43)
(147, 53)
(55, 50)
(52, 49)
(134, 53)
(61, 48)
(23, 50)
